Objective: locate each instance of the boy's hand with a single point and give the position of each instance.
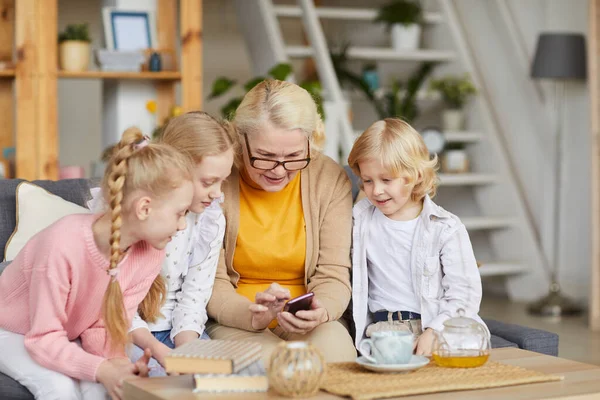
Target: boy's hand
(424, 344)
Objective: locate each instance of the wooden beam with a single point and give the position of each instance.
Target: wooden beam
(7, 39)
(7, 29)
(26, 123)
(47, 92)
(594, 85)
(167, 40)
(191, 54)
(36, 89)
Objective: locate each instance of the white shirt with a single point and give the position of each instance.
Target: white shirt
(443, 269)
(389, 244)
(189, 270)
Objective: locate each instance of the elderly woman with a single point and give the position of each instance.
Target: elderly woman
(289, 221)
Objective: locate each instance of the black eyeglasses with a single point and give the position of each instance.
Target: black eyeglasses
(267, 165)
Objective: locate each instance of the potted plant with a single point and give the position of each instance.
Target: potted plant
(399, 101)
(403, 18)
(455, 159)
(74, 47)
(455, 91)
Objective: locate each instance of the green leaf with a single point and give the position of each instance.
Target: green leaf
(228, 110)
(220, 86)
(78, 32)
(248, 86)
(403, 12)
(280, 71)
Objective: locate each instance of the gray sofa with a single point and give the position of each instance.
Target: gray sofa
(73, 190)
(77, 191)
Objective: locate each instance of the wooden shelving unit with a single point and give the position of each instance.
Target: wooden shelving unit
(28, 28)
(7, 73)
(164, 75)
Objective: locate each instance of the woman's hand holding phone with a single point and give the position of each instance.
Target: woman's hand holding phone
(303, 321)
(267, 305)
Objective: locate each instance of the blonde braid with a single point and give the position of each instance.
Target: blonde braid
(113, 309)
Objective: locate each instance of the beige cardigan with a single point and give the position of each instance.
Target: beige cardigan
(327, 205)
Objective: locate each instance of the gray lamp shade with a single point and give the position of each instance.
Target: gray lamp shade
(560, 56)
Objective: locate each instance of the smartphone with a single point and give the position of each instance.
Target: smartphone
(299, 303)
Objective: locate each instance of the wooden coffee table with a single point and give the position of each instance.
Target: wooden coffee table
(581, 382)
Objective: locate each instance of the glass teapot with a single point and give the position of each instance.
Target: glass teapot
(462, 343)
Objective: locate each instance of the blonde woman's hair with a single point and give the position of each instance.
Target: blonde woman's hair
(283, 104)
(155, 168)
(401, 150)
(198, 134)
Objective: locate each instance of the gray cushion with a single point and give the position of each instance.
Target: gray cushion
(355, 180)
(498, 343)
(526, 338)
(74, 190)
(3, 265)
(12, 390)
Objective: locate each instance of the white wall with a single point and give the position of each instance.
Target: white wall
(528, 122)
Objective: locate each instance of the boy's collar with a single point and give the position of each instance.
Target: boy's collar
(432, 211)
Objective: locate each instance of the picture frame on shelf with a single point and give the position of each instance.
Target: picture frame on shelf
(129, 30)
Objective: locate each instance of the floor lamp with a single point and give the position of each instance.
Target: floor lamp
(558, 57)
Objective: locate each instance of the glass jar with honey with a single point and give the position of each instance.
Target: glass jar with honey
(462, 343)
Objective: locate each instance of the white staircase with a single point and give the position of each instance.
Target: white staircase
(487, 200)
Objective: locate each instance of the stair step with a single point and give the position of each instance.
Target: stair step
(466, 179)
(356, 14)
(450, 136)
(379, 54)
(501, 268)
(482, 223)
(462, 137)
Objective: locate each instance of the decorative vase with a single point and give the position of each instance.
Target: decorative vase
(74, 55)
(371, 77)
(155, 63)
(296, 369)
(453, 120)
(455, 161)
(406, 37)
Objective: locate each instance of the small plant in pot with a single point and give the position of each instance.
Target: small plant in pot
(455, 159)
(455, 91)
(74, 48)
(403, 18)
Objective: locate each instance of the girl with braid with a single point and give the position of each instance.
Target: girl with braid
(190, 265)
(69, 296)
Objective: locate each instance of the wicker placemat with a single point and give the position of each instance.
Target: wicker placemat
(350, 379)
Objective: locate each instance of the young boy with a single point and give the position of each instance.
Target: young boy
(413, 263)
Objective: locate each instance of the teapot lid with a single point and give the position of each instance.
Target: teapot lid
(461, 321)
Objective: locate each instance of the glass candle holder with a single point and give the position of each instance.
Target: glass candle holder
(296, 369)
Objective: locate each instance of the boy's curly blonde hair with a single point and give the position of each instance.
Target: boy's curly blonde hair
(401, 150)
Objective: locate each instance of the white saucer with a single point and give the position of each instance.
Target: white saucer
(416, 362)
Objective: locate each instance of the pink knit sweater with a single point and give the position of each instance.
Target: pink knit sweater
(52, 293)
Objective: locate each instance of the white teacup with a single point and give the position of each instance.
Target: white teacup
(388, 347)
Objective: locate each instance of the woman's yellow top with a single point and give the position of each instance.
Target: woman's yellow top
(271, 241)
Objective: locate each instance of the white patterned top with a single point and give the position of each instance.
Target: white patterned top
(189, 269)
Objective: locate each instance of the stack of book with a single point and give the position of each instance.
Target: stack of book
(220, 365)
